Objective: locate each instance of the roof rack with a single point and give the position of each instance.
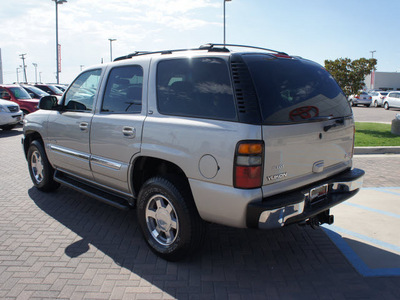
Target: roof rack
(209, 47)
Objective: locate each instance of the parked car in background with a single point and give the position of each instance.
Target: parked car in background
(19, 95)
(61, 87)
(362, 98)
(10, 114)
(50, 89)
(378, 97)
(34, 92)
(392, 100)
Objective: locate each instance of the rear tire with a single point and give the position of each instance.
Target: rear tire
(168, 218)
(40, 169)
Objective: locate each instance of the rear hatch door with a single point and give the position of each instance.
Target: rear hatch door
(307, 123)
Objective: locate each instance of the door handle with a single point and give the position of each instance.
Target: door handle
(84, 126)
(129, 132)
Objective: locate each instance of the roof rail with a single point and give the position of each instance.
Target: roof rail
(211, 46)
(208, 47)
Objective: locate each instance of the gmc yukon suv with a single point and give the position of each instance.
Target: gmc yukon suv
(255, 139)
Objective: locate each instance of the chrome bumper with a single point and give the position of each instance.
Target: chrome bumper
(297, 206)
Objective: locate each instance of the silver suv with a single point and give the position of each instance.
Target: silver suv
(246, 139)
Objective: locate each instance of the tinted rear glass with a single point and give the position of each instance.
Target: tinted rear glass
(295, 90)
(195, 87)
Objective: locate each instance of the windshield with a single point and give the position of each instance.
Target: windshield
(294, 90)
(20, 93)
(37, 91)
(55, 89)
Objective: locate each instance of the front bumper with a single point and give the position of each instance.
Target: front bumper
(10, 118)
(297, 206)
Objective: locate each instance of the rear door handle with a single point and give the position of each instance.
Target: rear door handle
(129, 132)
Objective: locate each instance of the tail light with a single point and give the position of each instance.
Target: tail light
(370, 98)
(357, 96)
(248, 165)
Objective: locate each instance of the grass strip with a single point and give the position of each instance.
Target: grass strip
(374, 135)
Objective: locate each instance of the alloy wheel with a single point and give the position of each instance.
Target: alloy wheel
(162, 220)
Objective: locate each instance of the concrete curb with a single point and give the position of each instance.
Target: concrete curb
(377, 150)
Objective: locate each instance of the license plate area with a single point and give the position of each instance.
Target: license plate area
(318, 193)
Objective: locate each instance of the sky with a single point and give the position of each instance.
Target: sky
(314, 29)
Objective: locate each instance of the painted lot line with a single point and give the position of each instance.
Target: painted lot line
(366, 230)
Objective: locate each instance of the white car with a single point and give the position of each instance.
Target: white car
(10, 114)
(378, 97)
(392, 100)
(362, 98)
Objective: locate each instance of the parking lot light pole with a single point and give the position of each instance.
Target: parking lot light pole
(35, 65)
(17, 74)
(224, 22)
(24, 66)
(111, 40)
(57, 53)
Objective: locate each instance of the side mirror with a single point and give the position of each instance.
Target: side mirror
(48, 103)
(6, 97)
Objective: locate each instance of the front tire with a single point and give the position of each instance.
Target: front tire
(40, 169)
(168, 218)
(386, 106)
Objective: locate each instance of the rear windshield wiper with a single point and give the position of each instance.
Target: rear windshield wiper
(338, 122)
(320, 119)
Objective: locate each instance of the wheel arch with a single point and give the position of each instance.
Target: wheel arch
(146, 167)
(29, 138)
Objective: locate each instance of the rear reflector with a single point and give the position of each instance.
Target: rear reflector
(248, 166)
(248, 177)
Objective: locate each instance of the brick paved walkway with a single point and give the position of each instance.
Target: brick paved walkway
(67, 246)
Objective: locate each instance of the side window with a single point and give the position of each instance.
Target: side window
(81, 94)
(196, 87)
(124, 90)
(4, 94)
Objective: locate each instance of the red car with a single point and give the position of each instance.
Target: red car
(17, 94)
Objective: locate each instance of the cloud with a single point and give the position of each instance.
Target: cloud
(86, 25)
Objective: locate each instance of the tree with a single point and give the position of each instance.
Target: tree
(350, 74)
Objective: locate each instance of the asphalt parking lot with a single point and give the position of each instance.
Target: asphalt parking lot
(66, 246)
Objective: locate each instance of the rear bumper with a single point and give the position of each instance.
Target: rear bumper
(296, 206)
(362, 101)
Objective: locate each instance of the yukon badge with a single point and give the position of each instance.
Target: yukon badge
(277, 176)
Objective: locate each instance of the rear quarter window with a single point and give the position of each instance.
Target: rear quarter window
(292, 90)
(195, 87)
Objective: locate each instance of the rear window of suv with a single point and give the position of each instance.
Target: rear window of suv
(292, 90)
(195, 87)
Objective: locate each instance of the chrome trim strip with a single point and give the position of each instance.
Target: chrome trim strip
(106, 163)
(69, 152)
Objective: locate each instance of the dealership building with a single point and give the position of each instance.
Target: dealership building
(386, 81)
